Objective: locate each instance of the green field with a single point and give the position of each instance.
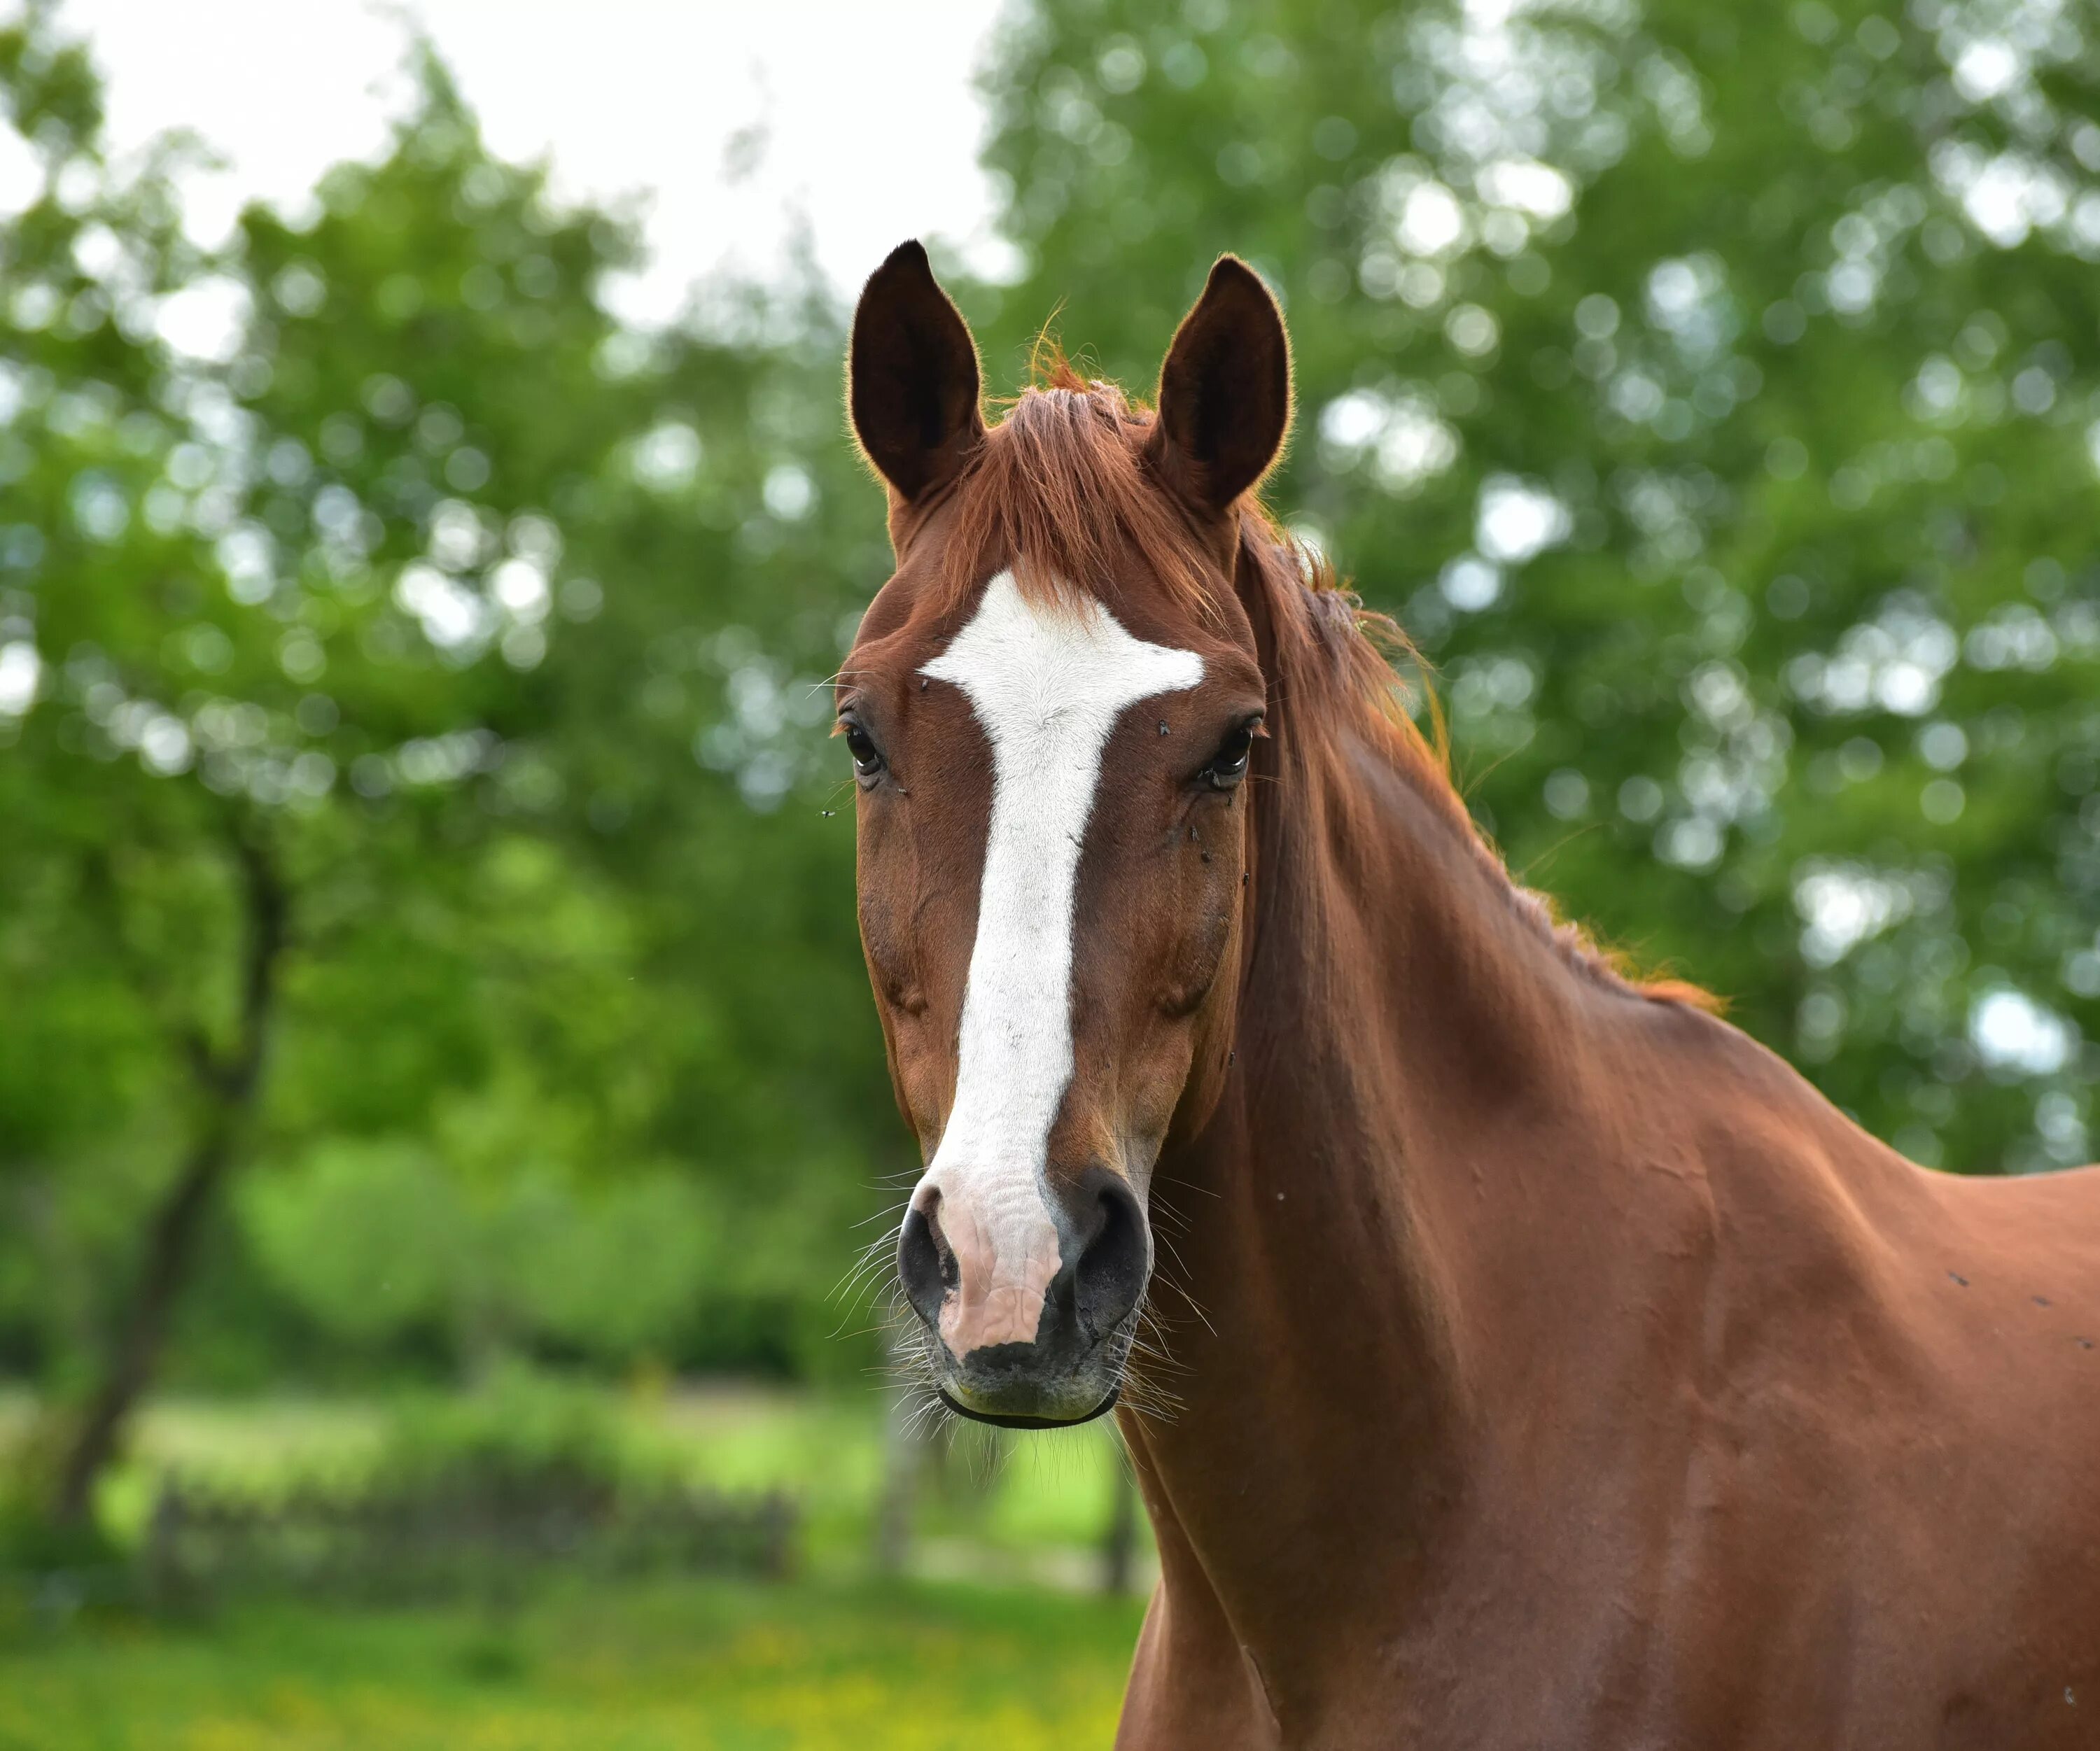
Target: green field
(696, 1666)
(998, 1639)
(997, 1505)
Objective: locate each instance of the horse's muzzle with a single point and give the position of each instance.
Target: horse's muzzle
(1027, 1326)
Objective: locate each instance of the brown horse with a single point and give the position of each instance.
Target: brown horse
(1550, 1365)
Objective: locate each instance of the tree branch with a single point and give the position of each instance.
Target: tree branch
(227, 1082)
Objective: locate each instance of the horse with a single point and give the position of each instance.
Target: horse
(1509, 1351)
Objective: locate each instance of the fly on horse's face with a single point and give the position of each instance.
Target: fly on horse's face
(1051, 708)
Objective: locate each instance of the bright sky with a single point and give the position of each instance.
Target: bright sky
(869, 122)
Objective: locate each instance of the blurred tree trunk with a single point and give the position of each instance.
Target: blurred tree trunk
(226, 1081)
(1120, 1542)
(906, 1445)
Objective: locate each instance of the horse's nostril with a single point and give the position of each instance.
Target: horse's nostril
(924, 1266)
(1109, 1277)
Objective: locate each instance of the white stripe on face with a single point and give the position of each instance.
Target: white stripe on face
(1047, 683)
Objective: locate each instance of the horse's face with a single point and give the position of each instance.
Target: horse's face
(1053, 839)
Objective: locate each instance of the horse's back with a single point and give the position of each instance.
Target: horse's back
(1975, 1531)
(2020, 1260)
(1889, 1532)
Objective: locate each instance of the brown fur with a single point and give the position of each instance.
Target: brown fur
(1534, 1363)
(1059, 489)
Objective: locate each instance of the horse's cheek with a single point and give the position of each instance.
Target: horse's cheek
(1202, 933)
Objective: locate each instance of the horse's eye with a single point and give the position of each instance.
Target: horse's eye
(1228, 765)
(867, 756)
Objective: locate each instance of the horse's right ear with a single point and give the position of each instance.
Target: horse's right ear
(1224, 392)
(911, 377)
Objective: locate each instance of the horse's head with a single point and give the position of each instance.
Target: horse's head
(1051, 708)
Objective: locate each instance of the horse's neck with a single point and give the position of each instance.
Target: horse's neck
(1373, 1228)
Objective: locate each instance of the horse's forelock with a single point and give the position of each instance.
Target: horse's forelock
(1061, 494)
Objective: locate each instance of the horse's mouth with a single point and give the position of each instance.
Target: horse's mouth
(998, 1422)
(1032, 1386)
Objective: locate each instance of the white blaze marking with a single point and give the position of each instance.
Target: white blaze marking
(1047, 683)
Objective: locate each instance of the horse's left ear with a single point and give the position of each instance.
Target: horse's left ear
(911, 377)
(1224, 392)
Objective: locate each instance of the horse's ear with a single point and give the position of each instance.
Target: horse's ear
(1224, 392)
(912, 378)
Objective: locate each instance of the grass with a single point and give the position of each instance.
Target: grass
(692, 1666)
(831, 1659)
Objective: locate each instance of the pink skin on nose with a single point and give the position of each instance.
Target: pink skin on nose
(1003, 1269)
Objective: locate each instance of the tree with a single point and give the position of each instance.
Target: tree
(1708, 389)
(412, 699)
(355, 661)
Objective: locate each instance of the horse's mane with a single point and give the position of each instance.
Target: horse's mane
(1059, 490)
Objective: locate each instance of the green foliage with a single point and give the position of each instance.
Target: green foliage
(378, 1238)
(363, 1237)
(31, 1543)
(1011, 1501)
(520, 1434)
(1709, 390)
(429, 587)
